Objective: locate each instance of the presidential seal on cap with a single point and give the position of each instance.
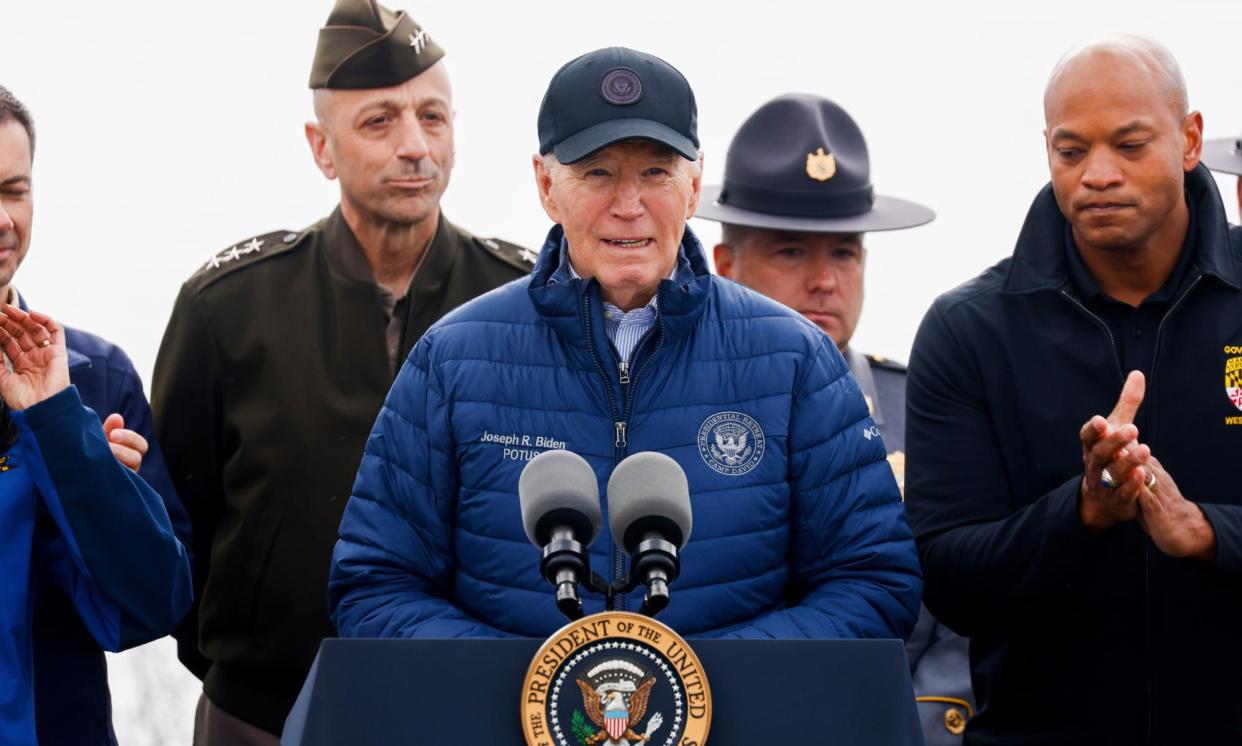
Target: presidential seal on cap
(800, 163)
(617, 94)
(365, 45)
(1224, 155)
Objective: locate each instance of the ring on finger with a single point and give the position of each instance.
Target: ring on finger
(1107, 479)
(1150, 481)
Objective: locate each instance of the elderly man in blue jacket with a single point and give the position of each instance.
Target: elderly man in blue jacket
(622, 341)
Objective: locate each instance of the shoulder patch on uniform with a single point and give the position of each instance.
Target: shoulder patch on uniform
(510, 253)
(879, 361)
(247, 252)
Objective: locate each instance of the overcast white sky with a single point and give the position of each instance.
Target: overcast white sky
(171, 130)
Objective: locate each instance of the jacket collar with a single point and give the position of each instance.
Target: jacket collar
(77, 361)
(345, 255)
(1039, 257)
(681, 299)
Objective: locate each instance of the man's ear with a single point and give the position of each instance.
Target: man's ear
(1192, 132)
(723, 254)
(543, 182)
(317, 139)
(697, 189)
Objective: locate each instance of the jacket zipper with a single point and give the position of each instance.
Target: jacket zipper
(1146, 547)
(622, 425)
(1112, 342)
(618, 560)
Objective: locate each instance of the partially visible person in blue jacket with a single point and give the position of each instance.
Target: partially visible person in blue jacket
(71, 517)
(70, 681)
(623, 341)
(795, 206)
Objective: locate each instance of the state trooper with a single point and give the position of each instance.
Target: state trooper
(280, 351)
(1224, 154)
(795, 205)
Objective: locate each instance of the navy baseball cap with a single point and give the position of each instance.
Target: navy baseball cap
(617, 94)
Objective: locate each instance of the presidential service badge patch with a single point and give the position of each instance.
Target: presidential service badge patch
(616, 679)
(621, 86)
(731, 443)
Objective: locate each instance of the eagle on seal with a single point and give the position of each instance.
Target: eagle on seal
(625, 718)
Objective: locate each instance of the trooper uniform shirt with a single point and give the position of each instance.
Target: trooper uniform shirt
(939, 658)
(273, 368)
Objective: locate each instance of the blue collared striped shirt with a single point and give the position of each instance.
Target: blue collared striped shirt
(624, 328)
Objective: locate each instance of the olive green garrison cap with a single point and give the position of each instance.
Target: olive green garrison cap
(365, 45)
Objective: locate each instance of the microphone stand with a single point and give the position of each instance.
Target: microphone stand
(656, 564)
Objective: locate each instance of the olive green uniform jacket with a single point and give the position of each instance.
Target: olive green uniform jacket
(271, 373)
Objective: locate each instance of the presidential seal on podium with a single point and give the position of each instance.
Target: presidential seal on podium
(616, 679)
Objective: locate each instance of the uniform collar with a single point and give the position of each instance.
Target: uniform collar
(1040, 263)
(345, 254)
(860, 367)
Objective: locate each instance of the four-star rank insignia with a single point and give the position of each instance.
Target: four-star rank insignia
(7, 464)
(821, 166)
(615, 679)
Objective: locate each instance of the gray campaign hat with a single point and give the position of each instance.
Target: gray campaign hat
(1224, 155)
(365, 45)
(800, 163)
(617, 94)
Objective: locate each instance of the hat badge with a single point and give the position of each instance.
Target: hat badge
(419, 41)
(821, 166)
(621, 86)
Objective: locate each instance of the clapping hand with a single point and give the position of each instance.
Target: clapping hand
(1138, 488)
(1112, 443)
(128, 446)
(35, 348)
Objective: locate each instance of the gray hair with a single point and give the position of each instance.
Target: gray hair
(12, 109)
(735, 236)
(1149, 53)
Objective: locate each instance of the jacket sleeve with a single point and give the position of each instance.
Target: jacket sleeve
(120, 562)
(392, 569)
(983, 561)
(185, 397)
(855, 570)
(1226, 522)
(125, 397)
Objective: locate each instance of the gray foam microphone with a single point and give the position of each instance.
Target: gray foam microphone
(558, 488)
(649, 516)
(648, 492)
(559, 499)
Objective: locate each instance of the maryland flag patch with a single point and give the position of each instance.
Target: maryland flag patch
(1233, 380)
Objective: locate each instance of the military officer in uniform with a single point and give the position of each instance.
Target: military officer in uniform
(279, 354)
(1224, 154)
(794, 207)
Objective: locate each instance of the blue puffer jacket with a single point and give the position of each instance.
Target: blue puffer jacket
(799, 530)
